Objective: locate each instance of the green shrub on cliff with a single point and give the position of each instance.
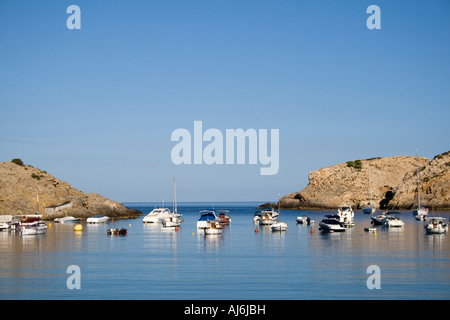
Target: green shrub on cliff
(17, 161)
(355, 164)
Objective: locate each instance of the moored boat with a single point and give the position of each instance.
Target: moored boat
(117, 232)
(206, 216)
(157, 215)
(34, 228)
(279, 226)
(331, 223)
(378, 220)
(99, 218)
(213, 227)
(224, 218)
(369, 210)
(392, 220)
(346, 215)
(304, 220)
(67, 219)
(420, 213)
(436, 225)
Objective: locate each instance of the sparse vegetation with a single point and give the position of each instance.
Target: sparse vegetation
(17, 161)
(35, 176)
(440, 156)
(355, 164)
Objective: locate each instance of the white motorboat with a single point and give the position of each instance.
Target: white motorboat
(436, 225)
(268, 216)
(331, 223)
(5, 221)
(99, 218)
(392, 220)
(304, 220)
(213, 227)
(205, 217)
(4, 226)
(346, 215)
(279, 226)
(301, 220)
(157, 215)
(37, 227)
(67, 219)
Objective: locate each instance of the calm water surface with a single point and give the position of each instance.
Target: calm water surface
(239, 264)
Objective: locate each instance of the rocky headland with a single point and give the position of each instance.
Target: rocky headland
(25, 190)
(394, 184)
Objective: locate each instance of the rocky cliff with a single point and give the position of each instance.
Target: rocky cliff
(393, 182)
(25, 189)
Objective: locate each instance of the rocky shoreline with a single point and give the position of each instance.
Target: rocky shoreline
(394, 184)
(25, 190)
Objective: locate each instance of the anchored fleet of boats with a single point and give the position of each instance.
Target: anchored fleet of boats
(212, 222)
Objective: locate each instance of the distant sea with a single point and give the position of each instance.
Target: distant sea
(240, 264)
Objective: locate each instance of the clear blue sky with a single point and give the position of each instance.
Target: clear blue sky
(96, 107)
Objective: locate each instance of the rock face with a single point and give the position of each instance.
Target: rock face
(25, 190)
(393, 181)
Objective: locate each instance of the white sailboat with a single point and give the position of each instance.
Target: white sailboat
(370, 208)
(172, 221)
(279, 226)
(420, 213)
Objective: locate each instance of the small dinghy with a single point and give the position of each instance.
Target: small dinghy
(117, 232)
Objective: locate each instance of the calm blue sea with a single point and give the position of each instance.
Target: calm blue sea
(239, 264)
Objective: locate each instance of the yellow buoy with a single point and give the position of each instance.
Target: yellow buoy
(192, 233)
(78, 227)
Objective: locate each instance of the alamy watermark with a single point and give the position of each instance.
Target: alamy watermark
(74, 280)
(191, 150)
(374, 280)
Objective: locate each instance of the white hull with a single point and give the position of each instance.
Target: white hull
(420, 213)
(436, 226)
(435, 230)
(213, 231)
(266, 222)
(157, 215)
(331, 224)
(331, 228)
(97, 219)
(68, 219)
(394, 224)
(172, 223)
(346, 215)
(279, 226)
(39, 228)
(301, 220)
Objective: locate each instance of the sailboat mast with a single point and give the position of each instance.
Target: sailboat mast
(418, 180)
(174, 196)
(370, 187)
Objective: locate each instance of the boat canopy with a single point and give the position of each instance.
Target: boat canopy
(207, 215)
